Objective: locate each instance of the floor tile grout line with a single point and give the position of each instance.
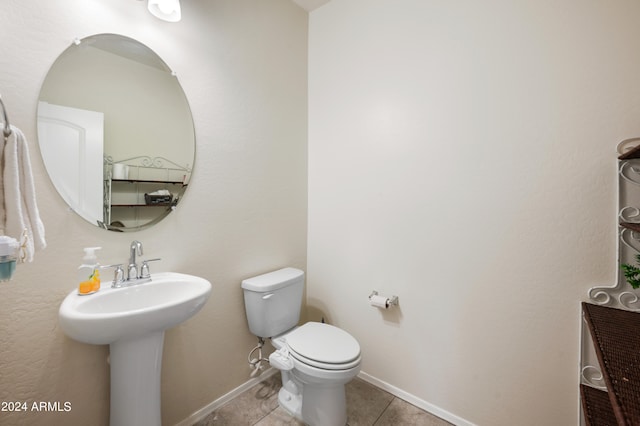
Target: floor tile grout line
(383, 411)
(265, 416)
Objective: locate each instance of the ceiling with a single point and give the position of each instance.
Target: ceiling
(310, 5)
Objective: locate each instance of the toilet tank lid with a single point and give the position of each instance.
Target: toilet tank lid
(272, 280)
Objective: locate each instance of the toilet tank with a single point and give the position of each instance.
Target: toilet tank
(273, 301)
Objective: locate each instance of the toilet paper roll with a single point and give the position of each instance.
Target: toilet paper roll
(379, 301)
(120, 171)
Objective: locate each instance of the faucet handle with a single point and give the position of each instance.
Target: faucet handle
(132, 272)
(144, 269)
(118, 274)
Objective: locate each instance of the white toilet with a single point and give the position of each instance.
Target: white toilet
(316, 359)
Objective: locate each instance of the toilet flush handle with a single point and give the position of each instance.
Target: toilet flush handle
(267, 296)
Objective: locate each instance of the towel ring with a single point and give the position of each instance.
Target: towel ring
(7, 127)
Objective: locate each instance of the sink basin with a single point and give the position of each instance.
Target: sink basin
(132, 321)
(120, 313)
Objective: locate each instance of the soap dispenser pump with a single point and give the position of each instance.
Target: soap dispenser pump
(88, 272)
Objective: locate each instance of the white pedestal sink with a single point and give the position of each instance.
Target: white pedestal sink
(132, 320)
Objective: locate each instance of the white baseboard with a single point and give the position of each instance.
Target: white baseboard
(214, 405)
(414, 400)
(411, 399)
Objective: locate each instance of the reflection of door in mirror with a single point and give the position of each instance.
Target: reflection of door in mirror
(73, 151)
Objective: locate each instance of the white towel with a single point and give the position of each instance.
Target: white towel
(22, 218)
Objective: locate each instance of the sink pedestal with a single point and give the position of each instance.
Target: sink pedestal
(132, 320)
(135, 380)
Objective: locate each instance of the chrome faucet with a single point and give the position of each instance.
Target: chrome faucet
(133, 277)
(132, 270)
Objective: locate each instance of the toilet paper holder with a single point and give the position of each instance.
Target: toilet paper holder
(387, 301)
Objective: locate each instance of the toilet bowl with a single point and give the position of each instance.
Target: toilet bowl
(323, 358)
(316, 359)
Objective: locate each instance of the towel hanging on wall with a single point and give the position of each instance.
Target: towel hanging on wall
(19, 215)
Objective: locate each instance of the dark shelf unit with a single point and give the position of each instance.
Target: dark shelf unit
(597, 407)
(616, 338)
(631, 226)
(632, 153)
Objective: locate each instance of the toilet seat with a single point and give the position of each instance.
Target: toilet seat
(323, 346)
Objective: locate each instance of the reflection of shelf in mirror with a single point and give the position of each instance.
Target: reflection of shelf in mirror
(160, 182)
(142, 205)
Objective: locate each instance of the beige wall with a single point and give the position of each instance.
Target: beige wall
(462, 156)
(242, 64)
(134, 97)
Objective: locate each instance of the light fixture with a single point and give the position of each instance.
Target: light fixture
(167, 10)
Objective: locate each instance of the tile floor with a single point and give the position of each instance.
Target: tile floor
(367, 405)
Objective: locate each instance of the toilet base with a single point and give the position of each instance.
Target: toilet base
(291, 403)
(314, 404)
(324, 405)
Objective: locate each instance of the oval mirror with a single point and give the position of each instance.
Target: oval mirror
(115, 132)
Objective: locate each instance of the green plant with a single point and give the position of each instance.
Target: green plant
(632, 273)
